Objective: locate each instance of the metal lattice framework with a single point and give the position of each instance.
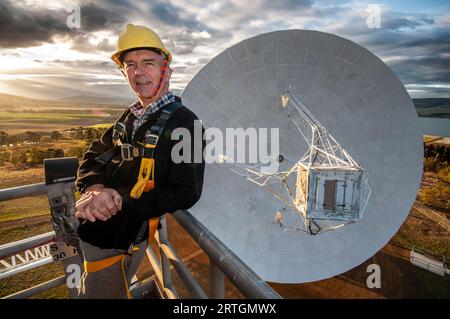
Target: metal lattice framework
(290, 186)
(25, 260)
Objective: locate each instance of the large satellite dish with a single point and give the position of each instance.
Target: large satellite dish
(349, 162)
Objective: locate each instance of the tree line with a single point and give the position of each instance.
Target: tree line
(29, 149)
(88, 134)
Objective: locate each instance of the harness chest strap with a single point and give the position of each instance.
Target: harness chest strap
(146, 176)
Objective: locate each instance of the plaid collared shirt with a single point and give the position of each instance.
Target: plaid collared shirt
(142, 113)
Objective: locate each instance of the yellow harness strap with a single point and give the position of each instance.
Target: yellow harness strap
(93, 266)
(153, 226)
(146, 177)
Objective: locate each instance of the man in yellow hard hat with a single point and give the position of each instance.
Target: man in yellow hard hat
(137, 43)
(127, 178)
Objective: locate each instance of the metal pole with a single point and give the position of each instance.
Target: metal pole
(217, 280)
(155, 264)
(184, 273)
(234, 268)
(27, 293)
(27, 266)
(27, 243)
(169, 291)
(161, 237)
(23, 191)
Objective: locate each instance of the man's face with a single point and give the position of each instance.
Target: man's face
(143, 71)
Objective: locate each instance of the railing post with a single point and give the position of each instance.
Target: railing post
(60, 174)
(164, 261)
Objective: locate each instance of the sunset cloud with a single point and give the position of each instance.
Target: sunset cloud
(37, 46)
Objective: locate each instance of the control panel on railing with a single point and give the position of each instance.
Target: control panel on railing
(60, 174)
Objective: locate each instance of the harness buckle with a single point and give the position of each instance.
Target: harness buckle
(126, 151)
(136, 151)
(132, 249)
(118, 131)
(151, 139)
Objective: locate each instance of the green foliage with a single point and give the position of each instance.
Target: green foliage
(88, 134)
(35, 156)
(12, 139)
(18, 158)
(444, 174)
(439, 194)
(102, 126)
(56, 136)
(4, 156)
(54, 153)
(429, 165)
(436, 156)
(32, 137)
(77, 151)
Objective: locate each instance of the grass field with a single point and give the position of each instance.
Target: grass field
(18, 210)
(19, 122)
(22, 208)
(45, 117)
(423, 233)
(98, 126)
(38, 275)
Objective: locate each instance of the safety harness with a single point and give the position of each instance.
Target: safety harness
(145, 181)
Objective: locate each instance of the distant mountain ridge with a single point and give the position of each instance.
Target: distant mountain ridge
(95, 99)
(10, 99)
(427, 107)
(433, 107)
(431, 102)
(16, 100)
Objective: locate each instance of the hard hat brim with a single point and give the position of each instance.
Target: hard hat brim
(116, 56)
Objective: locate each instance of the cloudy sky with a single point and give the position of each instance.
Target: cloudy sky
(42, 57)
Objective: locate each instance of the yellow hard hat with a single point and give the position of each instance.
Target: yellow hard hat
(138, 37)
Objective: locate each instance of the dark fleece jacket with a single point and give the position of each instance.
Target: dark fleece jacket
(177, 186)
